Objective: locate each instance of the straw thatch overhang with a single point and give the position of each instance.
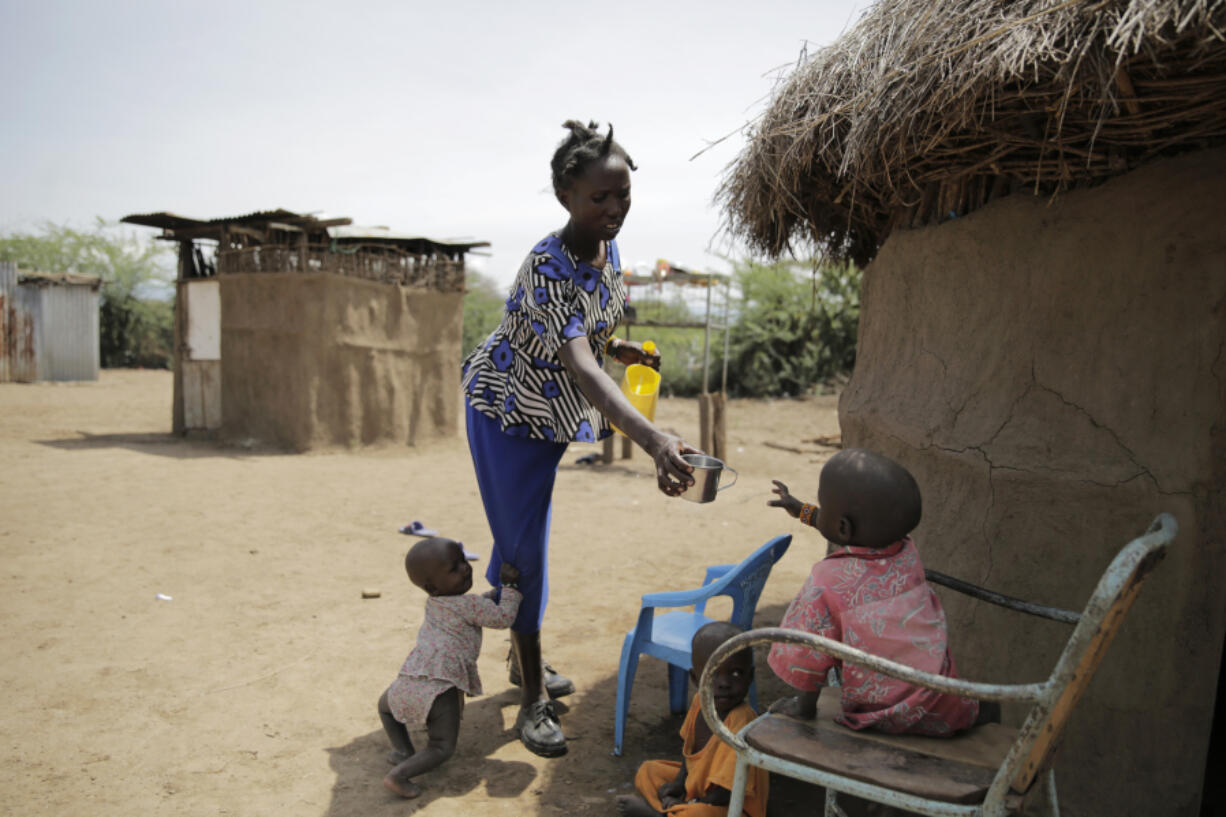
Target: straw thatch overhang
(927, 110)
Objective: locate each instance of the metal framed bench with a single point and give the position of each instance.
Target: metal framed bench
(986, 771)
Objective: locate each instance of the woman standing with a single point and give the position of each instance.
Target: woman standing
(536, 384)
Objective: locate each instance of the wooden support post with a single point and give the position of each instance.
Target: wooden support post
(177, 422)
(704, 423)
(608, 447)
(712, 427)
(720, 427)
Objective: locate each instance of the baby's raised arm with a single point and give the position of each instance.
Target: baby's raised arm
(786, 501)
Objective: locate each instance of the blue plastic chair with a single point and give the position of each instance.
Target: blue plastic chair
(667, 636)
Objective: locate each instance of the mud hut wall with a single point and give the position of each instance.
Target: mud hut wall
(321, 360)
(396, 354)
(1055, 376)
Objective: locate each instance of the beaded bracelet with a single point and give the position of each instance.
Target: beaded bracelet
(807, 513)
(608, 345)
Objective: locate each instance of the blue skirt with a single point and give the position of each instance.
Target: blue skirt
(516, 476)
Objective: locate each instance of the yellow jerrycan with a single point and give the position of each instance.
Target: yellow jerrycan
(641, 385)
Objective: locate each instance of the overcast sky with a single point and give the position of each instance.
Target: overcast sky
(436, 119)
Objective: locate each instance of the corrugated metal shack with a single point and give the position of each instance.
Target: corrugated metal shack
(48, 325)
(303, 332)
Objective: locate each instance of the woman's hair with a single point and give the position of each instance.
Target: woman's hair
(583, 146)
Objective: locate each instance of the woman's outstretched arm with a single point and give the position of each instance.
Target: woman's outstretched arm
(672, 472)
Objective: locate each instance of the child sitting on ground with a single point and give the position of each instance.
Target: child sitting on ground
(869, 593)
(701, 783)
(442, 668)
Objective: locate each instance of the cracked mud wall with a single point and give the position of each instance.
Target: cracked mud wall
(1055, 376)
(321, 360)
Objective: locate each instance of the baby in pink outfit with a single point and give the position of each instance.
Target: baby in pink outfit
(442, 668)
(870, 592)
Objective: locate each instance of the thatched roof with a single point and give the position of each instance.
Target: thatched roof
(931, 107)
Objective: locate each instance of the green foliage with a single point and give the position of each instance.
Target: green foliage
(137, 327)
(792, 329)
(795, 327)
(484, 303)
(136, 331)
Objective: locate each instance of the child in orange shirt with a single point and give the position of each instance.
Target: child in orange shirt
(700, 784)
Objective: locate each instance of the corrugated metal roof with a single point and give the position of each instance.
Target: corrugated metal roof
(340, 230)
(166, 221)
(68, 279)
(170, 221)
(383, 235)
(48, 330)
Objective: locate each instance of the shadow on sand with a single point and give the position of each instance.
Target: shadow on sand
(162, 445)
(587, 779)
(361, 764)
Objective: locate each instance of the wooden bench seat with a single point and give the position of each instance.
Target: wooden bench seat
(957, 769)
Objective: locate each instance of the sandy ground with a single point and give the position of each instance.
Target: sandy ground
(252, 691)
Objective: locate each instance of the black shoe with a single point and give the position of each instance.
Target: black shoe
(556, 685)
(539, 729)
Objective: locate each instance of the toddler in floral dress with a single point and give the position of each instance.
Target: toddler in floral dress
(870, 592)
(442, 668)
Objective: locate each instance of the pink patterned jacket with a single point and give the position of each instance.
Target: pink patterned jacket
(449, 640)
(878, 601)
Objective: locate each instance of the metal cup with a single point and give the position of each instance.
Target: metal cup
(706, 477)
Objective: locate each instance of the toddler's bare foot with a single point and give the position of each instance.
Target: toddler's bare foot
(405, 788)
(794, 707)
(633, 805)
(396, 757)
